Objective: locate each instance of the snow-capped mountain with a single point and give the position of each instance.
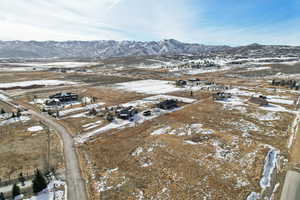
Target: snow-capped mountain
(99, 49)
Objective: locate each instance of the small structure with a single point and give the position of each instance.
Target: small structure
(147, 113)
(127, 113)
(65, 97)
(292, 84)
(181, 83)
(167, 104)
(53, 102)
(261, 100)
(194, 80)
(219, 96)
(86, 100)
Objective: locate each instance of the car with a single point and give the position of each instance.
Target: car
(147, 113)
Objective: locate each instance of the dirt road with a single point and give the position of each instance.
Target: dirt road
(291, 188)
(75, 183)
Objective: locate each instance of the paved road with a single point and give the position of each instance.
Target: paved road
(75, 183)
(291, 188)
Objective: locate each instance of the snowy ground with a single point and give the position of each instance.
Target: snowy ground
(4, 98)
(206, 70)
(8, 188)
(149, 86)
(51, 192)
(138, 118)
(85, 108)
(14, 120)
(35, 128)
(157, 87)
(186, 130)
(35, 82)
(44, 66)
(269, 167)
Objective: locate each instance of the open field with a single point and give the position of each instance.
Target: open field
(24, 147)
(224, 145)
(202, 149)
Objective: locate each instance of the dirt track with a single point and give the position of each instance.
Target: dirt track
(75, 183)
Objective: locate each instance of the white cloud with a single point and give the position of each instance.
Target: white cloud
(127, 20)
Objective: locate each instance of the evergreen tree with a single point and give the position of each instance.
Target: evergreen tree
(2, 196)
(39, 182)
(22, 179)
(2, 111)
(13, 115)
(19, 113)
(15, 191)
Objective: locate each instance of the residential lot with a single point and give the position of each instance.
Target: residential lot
(226, 133)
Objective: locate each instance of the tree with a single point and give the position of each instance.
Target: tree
(15, 191)
(39, 182)
(13, 115)
(2, 196)
(19, 113)
(22, 179)
(2, 111)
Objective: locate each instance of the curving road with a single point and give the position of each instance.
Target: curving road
(75, 183)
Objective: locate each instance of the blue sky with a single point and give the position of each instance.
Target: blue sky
(230, 22)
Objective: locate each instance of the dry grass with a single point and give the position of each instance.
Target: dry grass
(23, 151)
(188, 171)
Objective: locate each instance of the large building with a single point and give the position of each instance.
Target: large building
(65, 97)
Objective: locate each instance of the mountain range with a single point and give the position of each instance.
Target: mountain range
(110, 48)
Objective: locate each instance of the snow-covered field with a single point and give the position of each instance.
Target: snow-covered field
(206, 70)
(35, 82)
(44, 65)
(149, 86)
(156, 87)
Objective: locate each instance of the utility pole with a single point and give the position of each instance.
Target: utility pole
(48, 145)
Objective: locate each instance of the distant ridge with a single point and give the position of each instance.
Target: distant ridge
(110, 48)
(99, 49)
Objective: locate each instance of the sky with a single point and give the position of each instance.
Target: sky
(216, 22)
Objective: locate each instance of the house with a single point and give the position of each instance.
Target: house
(53, 102)
(292, 84)
(167, 104)
(221, 96)
(127, 113)
(192, 80)
(181, 83)
(65, 97)
(261, 100)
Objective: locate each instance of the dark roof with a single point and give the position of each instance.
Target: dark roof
(258, 100)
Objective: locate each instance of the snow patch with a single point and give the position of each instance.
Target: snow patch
(15, 120)
(269, 167)
(35, 82)
(35, 128)
(161, 131)
(253, 196)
